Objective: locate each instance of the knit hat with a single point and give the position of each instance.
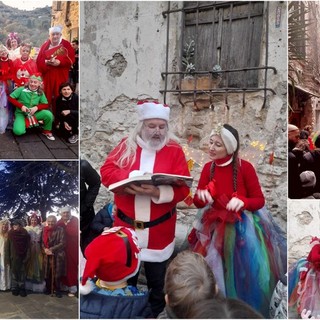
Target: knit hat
(229, 136)
(308, 179)
(113, 257)
(152, 110)
(17, 222)
(55, 29)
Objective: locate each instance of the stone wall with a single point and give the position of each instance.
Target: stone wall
(66, 14)
(303, 224)
(123, 47)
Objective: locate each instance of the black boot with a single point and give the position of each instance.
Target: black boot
(15, 291)
(23, 292)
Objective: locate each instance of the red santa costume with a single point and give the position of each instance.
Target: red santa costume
(71, 228)
(156, 240)
(53, 76)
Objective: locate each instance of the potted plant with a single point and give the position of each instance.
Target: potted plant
(191, 81)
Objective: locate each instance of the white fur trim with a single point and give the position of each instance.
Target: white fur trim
(303, 269)
(151, 255)
(166, 194)
(151, 110)
(87, 288)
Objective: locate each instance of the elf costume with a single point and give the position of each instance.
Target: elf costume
(23, 96)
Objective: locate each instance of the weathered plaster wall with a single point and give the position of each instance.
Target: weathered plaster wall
(123, 46)
(303, 224)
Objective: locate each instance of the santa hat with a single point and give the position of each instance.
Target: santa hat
(54, 29)
(308, 179)
(229, 136)
(113, 257)
(153, 110)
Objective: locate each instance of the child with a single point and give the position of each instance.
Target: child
(113, 257)
(67, 106)
(188, 280)
(19, 252)
(31, 108)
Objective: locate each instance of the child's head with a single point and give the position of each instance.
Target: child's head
(66, 89)
(34, 82)
(113, 257)
(222, 309)
(188, 280)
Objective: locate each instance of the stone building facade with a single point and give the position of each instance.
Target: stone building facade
(124, 46)
(66, 14)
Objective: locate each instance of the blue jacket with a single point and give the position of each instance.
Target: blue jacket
(100, 306)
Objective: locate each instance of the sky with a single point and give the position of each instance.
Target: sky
(27, 4)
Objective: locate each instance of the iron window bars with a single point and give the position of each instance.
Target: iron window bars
(197, 8)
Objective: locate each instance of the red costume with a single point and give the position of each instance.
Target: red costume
(6, 72)
(157, 242)
(71, 229)
(53, 76)
(248, 186)
(22, 70)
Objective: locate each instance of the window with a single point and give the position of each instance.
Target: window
(226, 40)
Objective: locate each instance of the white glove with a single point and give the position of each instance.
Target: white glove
(205, 196)
(305, 314)
(235, 204)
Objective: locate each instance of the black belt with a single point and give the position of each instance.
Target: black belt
(137, 224)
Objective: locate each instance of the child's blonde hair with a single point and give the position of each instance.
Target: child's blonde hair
(188, 279)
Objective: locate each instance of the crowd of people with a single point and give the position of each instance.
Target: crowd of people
(214, 271)
(41, 257)
(39, 91)
(303, 163)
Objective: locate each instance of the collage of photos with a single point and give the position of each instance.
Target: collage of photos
(159, 160)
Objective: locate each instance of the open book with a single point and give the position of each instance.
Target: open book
(155, 179)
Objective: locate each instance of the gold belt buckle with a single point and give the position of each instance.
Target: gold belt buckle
(138, 224)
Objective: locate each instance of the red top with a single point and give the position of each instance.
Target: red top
(248, 187)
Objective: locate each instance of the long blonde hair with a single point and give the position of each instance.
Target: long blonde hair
(4, 233)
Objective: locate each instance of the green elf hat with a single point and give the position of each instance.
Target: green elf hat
(36, 76)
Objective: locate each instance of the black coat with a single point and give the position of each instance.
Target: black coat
(89, 188)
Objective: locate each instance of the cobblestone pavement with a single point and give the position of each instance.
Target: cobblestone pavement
(33, 145)
(37, 306)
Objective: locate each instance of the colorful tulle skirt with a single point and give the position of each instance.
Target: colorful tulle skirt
(247, 256)
(304, 288)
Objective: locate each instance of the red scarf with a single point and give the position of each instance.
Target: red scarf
(47, 234)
